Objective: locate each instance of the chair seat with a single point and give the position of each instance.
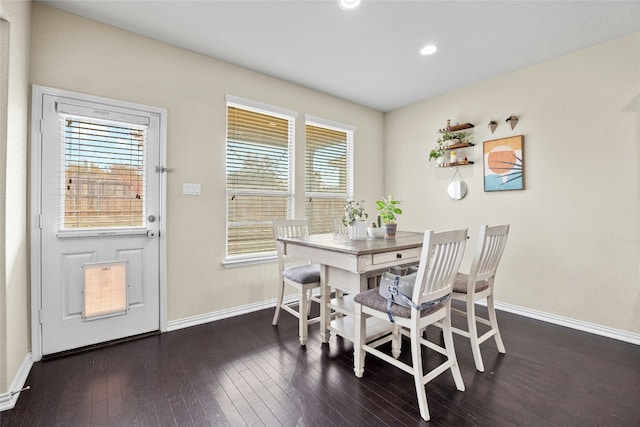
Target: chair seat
(374, 300)
(303, 274)
(460, 284)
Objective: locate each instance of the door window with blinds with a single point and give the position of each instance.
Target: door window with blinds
(328, 172)
(259, 170)
(103, 170)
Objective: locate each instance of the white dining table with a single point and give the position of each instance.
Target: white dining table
(349, 266)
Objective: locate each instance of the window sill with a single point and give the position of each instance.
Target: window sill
(245, 261)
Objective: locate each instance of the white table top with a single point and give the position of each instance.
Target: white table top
(342, 243)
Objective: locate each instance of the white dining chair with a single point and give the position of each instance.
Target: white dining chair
(439, 262)
(478, 284)
(339, 227)
(296, 273)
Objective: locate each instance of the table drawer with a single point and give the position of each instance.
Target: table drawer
(397, 256)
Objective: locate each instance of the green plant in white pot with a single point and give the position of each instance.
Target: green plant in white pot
(388, 208)
(354, 218)
(437, 154)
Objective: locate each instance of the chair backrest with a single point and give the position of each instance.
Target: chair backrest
(491, 244)
(289, 228)
(439, 263)
(339, 227)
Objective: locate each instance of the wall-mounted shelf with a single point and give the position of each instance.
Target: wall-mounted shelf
(453, 135)
(459, 145)
(456, 128)
(450, 165)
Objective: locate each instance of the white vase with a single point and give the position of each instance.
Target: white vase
(358, 230)
(375, 232)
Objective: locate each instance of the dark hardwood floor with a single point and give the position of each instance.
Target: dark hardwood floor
(243, 371)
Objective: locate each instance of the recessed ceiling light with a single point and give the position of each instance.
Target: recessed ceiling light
(349, 4)
(428, 49)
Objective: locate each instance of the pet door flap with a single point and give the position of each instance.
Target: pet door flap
(105, 289)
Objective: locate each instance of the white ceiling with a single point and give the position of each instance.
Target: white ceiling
(370, 55)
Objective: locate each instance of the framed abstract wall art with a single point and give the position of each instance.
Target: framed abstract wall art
(503, 164)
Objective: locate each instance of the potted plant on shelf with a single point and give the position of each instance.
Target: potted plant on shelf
(447, 139)
(388, 209)
(437, 153)
(354, 218)
(463, 138)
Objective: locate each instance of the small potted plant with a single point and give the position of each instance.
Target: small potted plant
(441, 145)
(354, 218)
(447, 139)
(388, 209)
(376, 230)
(463, 138)
(437, 154)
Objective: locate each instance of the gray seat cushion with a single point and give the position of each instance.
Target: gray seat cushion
(304, 274)
(373, 299)
(460, 284)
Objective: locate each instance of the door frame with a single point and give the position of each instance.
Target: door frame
(35, 208)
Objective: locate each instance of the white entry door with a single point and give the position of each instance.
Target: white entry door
(100, 205)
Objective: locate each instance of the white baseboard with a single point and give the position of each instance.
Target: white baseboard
(592, 328)
(173, 325)
(201, 319)
(8, 400)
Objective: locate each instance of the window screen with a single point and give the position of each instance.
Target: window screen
(328, 174)
(259, 177)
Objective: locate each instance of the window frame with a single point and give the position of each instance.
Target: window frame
(232, 260)
(349, 130)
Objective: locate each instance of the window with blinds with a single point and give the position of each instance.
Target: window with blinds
(103, 173)
(328, 173)
(259, 177)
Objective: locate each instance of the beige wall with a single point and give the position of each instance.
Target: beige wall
(14, 312)
(574, 242)
(77, 54)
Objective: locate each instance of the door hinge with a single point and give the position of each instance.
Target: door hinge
(40, 221)
(41, 125)
(40, 316)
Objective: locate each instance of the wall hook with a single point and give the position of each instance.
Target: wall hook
(493, 124)
(513, 120)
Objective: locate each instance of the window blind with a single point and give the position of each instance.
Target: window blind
(328, 174)
(103, 173)
(259, 177)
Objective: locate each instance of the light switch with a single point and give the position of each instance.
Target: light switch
(191, 189)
